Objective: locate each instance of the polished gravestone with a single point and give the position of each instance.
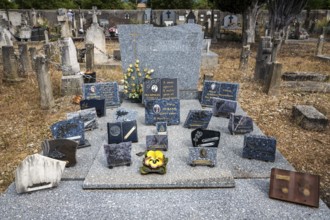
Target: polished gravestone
(214, 89)
(167, 110)
(99, 105)
(118, 154)
(259, 147)
(122, 132)
(239, 124)
(157, 142)
(61, 149)
(198, 119)
(160, 88)
(88, 116)
(123, 114)
(223, 107)
(105, 90)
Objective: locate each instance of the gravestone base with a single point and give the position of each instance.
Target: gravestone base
(309, 118)
(210, 60)
(72, 85)
(16, 80)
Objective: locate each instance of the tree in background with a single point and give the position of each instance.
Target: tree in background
(281, 14)
(170, 4)
(6, 4)
(202, 4)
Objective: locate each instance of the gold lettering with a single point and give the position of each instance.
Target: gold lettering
(282, 177)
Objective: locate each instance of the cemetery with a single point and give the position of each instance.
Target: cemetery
(169, 118)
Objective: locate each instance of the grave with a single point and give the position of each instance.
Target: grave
(160, 88)
(88, 116)
(10, 70)
(230, 22)
(95, 35)
(158, 110)
(125, 131)
(309, 118)
(169, 18)
(25, 31)
(198, 119)
(210, 60)
(173, 52)
(38, 172)
(213, 89)
(105, 90)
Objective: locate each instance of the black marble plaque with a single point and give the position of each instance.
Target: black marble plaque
(99, 105)
(118, 154)
(239, 124)
(61, 149)
(160, 88)
(213, 89)
(223, 107)
(205, 138)
(259, 147)
(198, 119)
(107, 90)
(122, 132)
(157, 142)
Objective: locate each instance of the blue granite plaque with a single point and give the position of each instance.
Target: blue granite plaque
(160, 88)
(122, 114)
(202, 156)
(223, 107)
(157, 142)
(118, 154)
(166, 110)
(239, 124)
(259, 147)
(122, 132)
(161, 127)
(72, 129)
(99, 105)
(213, 89)
(198, 119)
(106, 90)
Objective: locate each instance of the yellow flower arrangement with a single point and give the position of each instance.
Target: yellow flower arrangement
(154, 159)
(133, 80)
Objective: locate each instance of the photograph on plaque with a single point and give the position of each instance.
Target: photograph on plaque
(223, 107)
(296, 187)
(162, 110)
(214, 89)
(198, 119)
(99, 105)
(160, 88)
(157, 142)
(259, 147)
(103, 90)
(125, 131)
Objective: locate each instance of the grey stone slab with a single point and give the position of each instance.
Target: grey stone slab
(179, 173)
(171, 51)
(248, 200)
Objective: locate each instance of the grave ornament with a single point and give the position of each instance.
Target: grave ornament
(259, 147)
(162, 110)
(161, 128)
(198, 119)
(122, 132)
(154, 162)
(118, 154)
(213, 89)
(239, 124)
(223, 107)
(122, 114)
(88, 116)
(98, 104)
(157, 142)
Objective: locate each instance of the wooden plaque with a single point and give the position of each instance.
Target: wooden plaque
(294, 187)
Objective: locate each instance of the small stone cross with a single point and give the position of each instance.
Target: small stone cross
(231, 19)
(95, 12)
(168, 14)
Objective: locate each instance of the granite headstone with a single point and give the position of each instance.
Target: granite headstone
(198, 119)
(105, 90)
(259, 147)
(99, 105)
(61, 149)
(173, 52)
(214, 89)
(239, 124)
(166, 110)
(157, 142)
(223, 107)
(118, 154)
(160, 88)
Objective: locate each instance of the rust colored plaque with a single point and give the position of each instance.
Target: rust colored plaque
(294, 187)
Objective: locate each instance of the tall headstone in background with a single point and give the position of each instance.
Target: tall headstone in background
(169, 18)
(174, 52)
(25, 30)
(26, 68)
(62, 18)
(95, 35)
(230, 22)
(10, 71)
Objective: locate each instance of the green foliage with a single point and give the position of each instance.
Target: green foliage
(6, 4)
(46, 4)
(318, 4)
(234, 6)
(170, 4)
(202, 4)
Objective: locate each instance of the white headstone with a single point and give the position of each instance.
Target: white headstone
(38, 172)
(70, 65)
(95, 35)
(5, 39)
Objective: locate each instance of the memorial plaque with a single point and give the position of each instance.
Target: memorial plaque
(162, 110)
(161, 128)
(213, 89)
(198, 119)
(160, 88)
(99, 105)
(295, 187)
(259, 147)
(203, 156)
(239, 124)
(118, 154)
(88, 116)
(205, 138)
(72, 129)
(61, 149)
(122, 114)
(122, 132)
(157, 142)
(223, 107)
(107, 90)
